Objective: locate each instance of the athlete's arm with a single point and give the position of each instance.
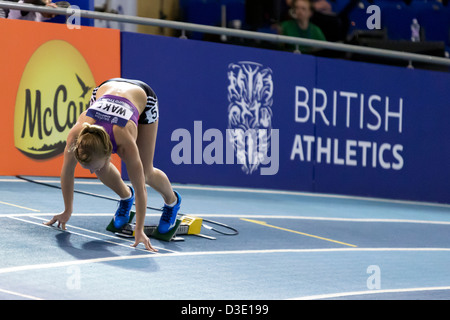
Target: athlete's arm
(67, 180)
(129, 153)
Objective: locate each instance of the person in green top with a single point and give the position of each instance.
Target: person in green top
(300, 26)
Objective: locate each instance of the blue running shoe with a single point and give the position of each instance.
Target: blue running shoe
(123, 211)
(169, 216)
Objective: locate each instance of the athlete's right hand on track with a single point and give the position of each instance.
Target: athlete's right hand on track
(61, 219)
(139, 237)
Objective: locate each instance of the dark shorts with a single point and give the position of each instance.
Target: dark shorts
(151, 112)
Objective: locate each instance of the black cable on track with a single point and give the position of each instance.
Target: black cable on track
(233, 233)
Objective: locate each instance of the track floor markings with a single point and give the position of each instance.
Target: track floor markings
(297, 232)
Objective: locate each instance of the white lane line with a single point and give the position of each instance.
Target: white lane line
(98, 233)
(210, 253)
(80, 234)
(261, 191)
(248, 216)
(26, 296)
(367, 292)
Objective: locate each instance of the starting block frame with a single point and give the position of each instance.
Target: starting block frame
(187, 225)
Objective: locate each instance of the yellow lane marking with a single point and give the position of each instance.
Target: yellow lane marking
(15, 205)
(297, 232)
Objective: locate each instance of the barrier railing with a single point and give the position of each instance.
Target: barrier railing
(409, 57)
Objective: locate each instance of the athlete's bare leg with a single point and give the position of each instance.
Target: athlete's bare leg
(155, 178)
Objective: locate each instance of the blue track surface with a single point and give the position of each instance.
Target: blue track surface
(290, 246)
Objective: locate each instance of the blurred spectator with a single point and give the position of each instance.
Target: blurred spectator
(331, 17)
(322, 6)
(4, 12)
(36, 16)
(327, 20)
(301, 26)
(335, 22)
(260, 14)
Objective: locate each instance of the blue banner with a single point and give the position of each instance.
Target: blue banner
(246, 117)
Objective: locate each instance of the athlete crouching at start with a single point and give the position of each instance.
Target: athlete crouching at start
(123, 119)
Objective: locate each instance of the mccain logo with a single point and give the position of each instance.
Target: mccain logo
(53, 92)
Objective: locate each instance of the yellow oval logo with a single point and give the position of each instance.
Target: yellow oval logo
(55, 89)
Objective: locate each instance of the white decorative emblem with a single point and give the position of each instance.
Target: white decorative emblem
(250, 97)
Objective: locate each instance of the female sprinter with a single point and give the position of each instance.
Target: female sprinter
(123, 119)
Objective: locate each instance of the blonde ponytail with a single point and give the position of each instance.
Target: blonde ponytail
(92, 142)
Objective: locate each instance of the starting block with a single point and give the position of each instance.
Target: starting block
(187, 225)
(111, 227)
